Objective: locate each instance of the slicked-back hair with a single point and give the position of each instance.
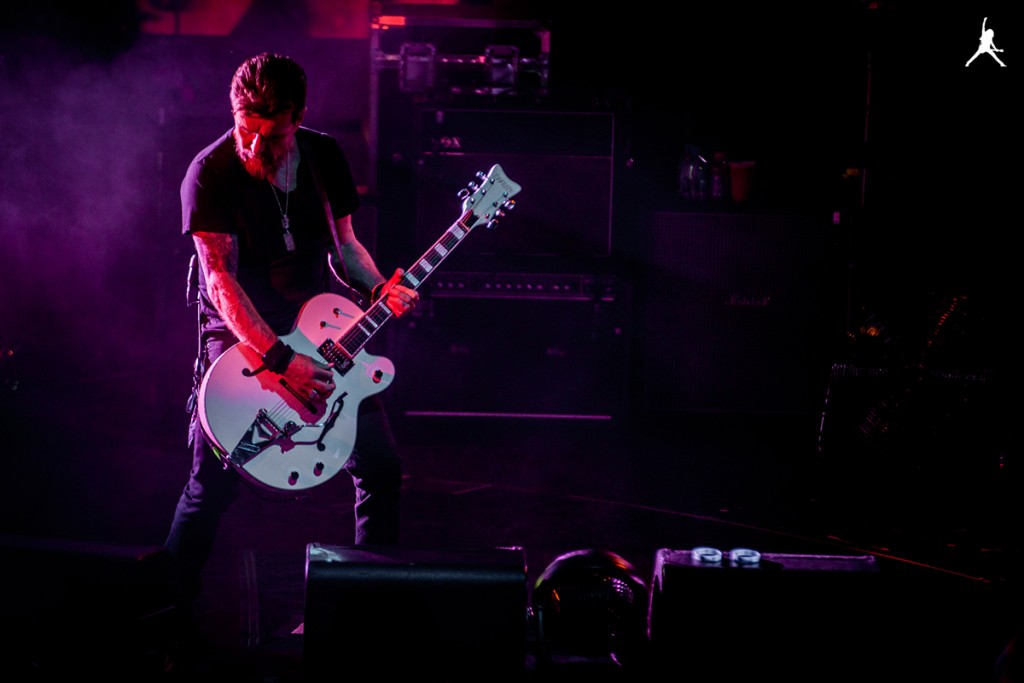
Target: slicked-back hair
(268, 84)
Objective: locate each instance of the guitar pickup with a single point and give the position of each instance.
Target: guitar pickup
(336, 356)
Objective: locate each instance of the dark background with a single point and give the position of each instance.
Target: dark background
(100, 116)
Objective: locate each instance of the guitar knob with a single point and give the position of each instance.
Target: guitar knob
(318, 469)
(293, 478)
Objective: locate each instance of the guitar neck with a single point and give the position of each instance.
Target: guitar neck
(418, 272)
(359, 334)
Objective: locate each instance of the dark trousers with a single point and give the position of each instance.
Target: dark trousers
(375, 468)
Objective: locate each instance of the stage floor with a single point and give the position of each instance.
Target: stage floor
(636, 488)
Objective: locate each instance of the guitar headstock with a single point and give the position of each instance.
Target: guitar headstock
(489, 198)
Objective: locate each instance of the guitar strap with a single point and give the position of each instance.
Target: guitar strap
(199, 365)
(337, 265)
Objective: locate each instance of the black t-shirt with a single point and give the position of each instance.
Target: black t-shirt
(219, 195)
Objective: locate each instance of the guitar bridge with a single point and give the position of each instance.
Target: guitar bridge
(261, 433)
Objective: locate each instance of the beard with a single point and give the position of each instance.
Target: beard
(261, 166)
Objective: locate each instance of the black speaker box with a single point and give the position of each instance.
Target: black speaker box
(735, 313)
(562, 160)
(75, 609)
(821, 617)
(436, 613)
(516, 355)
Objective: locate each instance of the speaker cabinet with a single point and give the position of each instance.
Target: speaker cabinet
(734, 313)
(563, 161)
(507, 353)
(821, 617)
(436, 613)
(72, 609)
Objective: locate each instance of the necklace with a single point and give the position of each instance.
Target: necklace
(289, 241)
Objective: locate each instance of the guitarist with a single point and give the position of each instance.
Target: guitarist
(266, 204)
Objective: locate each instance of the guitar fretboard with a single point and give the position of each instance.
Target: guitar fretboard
(357, 336)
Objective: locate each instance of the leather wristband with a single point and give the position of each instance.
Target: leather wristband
(277, 357)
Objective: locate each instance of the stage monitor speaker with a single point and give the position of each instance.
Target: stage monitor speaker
(562, 160)
(807, 618)
(75, 609)
(449, 614)
(734, 313)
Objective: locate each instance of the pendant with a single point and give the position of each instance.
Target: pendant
(289, 241)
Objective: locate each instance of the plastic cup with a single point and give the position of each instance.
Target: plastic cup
(741, 180)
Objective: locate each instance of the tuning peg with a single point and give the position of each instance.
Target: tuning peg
(463, 193)
(492, 224)
(509, 204)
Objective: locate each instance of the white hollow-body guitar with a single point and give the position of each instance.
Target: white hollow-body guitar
(285, 441)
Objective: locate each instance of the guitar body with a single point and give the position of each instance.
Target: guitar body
(267, 433)
(282, 440)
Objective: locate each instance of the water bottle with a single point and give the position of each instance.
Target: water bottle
(719, 177)
(693, 175)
